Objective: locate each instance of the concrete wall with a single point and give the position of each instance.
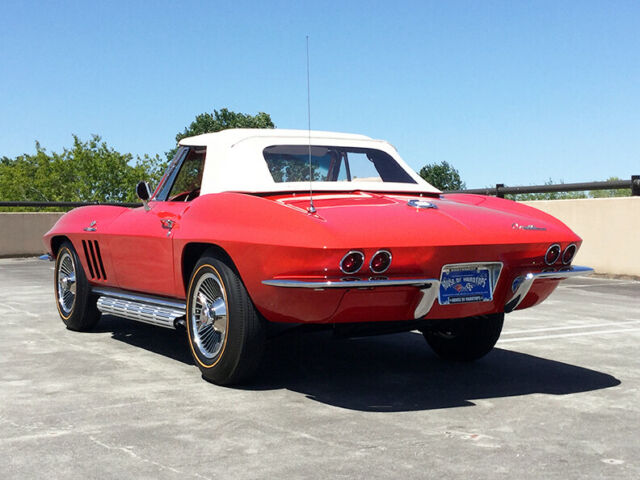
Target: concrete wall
(21, 233)
(609, 227)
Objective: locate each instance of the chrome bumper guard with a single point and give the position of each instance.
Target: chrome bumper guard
(524, 283)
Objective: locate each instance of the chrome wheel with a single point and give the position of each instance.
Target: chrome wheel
(209, 321)
(66, 284)
(225, 333)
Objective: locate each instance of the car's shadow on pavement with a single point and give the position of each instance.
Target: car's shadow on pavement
(400, 373)
(388, 373)
(163, 341)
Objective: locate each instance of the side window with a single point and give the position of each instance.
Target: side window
(364, 168)
(170, 174)
(186, 186)
(184, 177)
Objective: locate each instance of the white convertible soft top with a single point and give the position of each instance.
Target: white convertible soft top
(235, 161)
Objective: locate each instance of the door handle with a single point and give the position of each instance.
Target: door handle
(167, 223)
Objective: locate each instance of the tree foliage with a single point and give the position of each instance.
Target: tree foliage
(442, 176)
(92, 171)
(222, 120)
(619, 192)
(89, 171)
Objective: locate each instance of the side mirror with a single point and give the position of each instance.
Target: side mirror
(144, 193)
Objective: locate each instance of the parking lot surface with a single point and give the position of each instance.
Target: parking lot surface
(558, 398)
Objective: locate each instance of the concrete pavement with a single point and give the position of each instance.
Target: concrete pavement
(558, 398)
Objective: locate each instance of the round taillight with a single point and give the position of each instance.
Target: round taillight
(553, 254)
(569, 253)
(380, 261)
(352, 262)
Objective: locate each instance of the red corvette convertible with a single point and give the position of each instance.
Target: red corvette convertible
(233, 240)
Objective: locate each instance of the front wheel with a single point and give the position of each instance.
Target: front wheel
(465, 339)
(76, 306)
(226, 334)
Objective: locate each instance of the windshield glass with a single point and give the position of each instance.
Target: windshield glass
(290, 163)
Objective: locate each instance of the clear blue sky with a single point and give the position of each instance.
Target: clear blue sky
(510, 92)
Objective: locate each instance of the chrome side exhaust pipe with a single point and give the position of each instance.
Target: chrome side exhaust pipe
(162, 312)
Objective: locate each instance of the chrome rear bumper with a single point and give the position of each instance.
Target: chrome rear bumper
(351, 283)
(525, 282)
(429, 287)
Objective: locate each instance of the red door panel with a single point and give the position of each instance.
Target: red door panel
(140, 244)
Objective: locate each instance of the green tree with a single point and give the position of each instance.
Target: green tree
(92, 171)
(620, 192)
(222, 120)
(89, 171)
(443, 176)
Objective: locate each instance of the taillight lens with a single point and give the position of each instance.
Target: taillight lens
(352, 262)
(553, 254)
(380, 261)
(569, 253)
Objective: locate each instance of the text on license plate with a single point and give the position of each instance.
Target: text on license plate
(464, 286)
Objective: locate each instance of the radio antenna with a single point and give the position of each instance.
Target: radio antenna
(311, 210)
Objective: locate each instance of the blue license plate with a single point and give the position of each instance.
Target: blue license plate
(465, 286)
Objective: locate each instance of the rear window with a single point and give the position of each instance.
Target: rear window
(290, 163)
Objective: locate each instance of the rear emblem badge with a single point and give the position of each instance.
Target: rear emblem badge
(515, 226)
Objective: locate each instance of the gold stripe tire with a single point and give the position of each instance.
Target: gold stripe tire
(72, 293)
(225, 332)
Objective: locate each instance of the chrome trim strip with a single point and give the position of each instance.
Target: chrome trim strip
(139, 297)
(355, 283)
(529, 278)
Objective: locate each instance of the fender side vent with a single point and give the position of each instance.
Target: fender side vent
(94, 259)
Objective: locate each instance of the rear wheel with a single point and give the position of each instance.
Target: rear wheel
(76, 306)
(465, 339)
(226, 334)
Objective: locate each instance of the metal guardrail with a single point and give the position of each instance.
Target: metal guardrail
(66, 204)
(500, 190)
